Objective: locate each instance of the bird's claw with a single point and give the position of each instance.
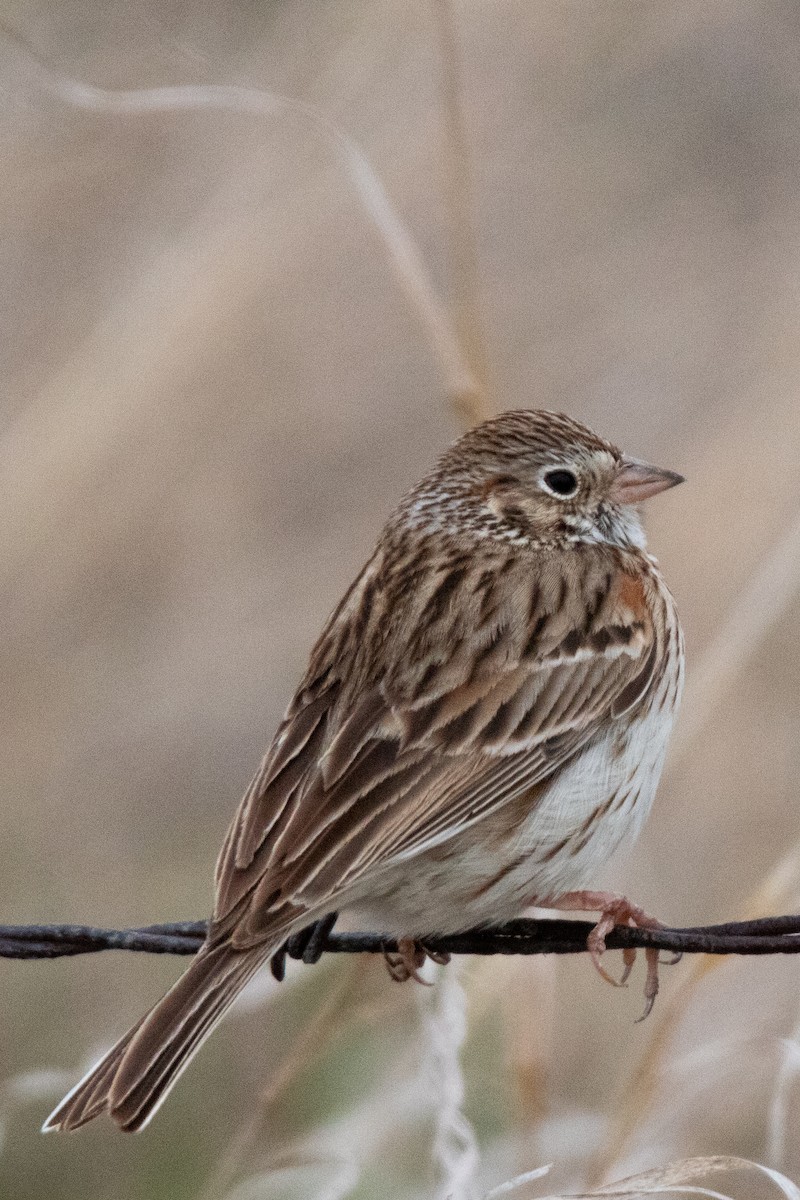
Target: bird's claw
(617, 910)
(408, 960)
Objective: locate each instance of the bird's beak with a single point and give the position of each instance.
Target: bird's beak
(637, 481)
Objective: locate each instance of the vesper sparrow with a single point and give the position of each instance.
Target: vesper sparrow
(482, 723)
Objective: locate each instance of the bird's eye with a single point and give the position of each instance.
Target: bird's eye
(562, 483)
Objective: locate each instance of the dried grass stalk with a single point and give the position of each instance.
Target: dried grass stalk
(678, 1178)
(407, 262)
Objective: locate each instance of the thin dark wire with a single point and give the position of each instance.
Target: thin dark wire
(768, 935)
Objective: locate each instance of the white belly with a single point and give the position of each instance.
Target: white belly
(595, 803)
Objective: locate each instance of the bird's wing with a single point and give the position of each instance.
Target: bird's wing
(350, 784)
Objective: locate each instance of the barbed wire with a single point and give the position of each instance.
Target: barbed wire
(766, 935)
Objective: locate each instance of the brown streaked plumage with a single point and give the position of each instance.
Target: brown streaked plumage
(483, 720)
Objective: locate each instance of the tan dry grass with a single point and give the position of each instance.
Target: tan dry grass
(204, 430)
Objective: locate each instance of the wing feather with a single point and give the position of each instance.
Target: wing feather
(371, 767)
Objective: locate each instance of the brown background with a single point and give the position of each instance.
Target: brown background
(214, 391)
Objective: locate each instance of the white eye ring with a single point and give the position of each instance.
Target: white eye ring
(560, 482)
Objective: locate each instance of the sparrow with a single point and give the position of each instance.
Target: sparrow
(482, 723)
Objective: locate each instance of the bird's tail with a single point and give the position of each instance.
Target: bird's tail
(136, 1075)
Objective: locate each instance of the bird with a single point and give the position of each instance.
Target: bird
(482, 724)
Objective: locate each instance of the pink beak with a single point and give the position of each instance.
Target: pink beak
(637, 481)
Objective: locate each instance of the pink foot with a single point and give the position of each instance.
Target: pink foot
(409, 958)
(615, 910)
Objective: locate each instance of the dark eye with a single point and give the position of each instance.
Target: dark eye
(563, 483)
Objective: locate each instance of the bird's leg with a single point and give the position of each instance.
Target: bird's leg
(615, 910)
(407, 961)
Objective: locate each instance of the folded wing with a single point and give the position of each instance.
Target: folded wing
(509, 679)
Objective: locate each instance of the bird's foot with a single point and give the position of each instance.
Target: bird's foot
(617, 910)
(408, 959)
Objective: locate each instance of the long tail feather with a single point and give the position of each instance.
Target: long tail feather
(136, 1075)
(89, 1098)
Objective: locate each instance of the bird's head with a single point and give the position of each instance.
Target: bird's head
(541, 479)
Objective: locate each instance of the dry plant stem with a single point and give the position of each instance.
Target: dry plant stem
(311, 1042)
(778, 1118)
(772, 588)
(455, 1148)
(679, 1178)
(777, 890)
(640, 1090)
(473, 404)
(519, 1181)
(409, 267)
(527, 996)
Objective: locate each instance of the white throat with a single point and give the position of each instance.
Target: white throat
(613, 526)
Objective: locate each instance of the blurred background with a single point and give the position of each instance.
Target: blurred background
(214, 389)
